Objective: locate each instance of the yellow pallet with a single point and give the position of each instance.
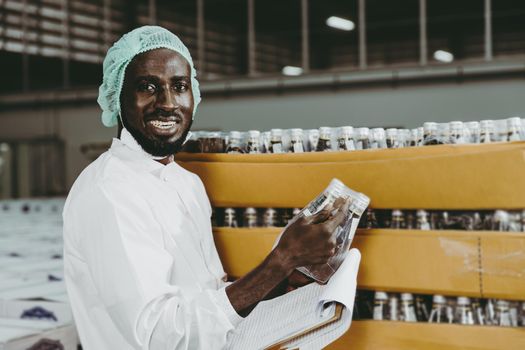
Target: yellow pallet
(386, 335)
(476, 264)
(434, 177)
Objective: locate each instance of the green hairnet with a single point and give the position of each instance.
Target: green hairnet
(122, 52)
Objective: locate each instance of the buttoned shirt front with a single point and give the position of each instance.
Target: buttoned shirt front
(141, 267)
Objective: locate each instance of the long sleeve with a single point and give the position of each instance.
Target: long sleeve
(118, 236)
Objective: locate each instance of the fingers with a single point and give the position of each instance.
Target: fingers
(340, 216)
(322, 215)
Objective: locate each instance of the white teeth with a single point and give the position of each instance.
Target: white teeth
(162, 125)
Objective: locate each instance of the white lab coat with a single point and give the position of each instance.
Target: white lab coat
(141, 267)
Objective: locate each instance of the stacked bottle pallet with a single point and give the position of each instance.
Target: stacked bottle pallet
(348, 138)
(471, 196)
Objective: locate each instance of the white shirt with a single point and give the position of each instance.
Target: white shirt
(141, 267)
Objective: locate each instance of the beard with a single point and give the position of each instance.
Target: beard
(157, 147)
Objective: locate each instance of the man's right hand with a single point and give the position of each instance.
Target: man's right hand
(311, 240)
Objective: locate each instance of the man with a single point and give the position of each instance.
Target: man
(141, 267)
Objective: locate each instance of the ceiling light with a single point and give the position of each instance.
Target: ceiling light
(292, 71)
(443, 56)
(340, 23)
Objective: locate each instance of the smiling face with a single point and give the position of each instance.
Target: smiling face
(157, 101)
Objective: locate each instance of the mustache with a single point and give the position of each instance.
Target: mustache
(161, 113)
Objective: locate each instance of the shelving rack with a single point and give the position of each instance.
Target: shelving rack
(480, 264)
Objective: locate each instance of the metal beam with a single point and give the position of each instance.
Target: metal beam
(201, 49)
(251, 38)
(66, 47)
(305, 36)
(152, 11)
(362, 34)
(488, 30)
(106, 15)
(423, 39)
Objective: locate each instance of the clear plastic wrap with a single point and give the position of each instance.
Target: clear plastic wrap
(344, 232)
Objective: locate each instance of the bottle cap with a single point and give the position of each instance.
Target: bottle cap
(296, 132)
(472, 125)
(250, 210)
(421, 212)
(430, 126)
(391, 132)
(407, 296)
(345, 131)
(325, 131)
(514, 122)
(254, 133)
(487, 123)
(502, 304)
(439, 299)
(229, 211)
(378, 133)
(235, 135)
(456, 125)
(380, 296)
(363, 132)
(397, 212)
(463, 301)
(277, 132)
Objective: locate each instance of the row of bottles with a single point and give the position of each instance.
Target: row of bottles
(407, 307)
(493, 220)
(347, 138)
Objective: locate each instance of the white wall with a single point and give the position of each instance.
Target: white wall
(405, 105)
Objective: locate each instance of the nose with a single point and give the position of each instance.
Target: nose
(166, 100)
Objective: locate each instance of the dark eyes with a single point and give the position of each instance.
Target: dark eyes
(152, 88)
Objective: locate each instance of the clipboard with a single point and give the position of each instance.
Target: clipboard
(336, 317)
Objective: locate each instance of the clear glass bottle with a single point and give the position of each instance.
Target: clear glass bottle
(501, 221)
(398, 220)
(463, 313)
(270, 218)
(420, 135)
(487, 131)
(391, 138)
(296, 141)
(253, 144)
(430, 134)
(403, 137)
(473, 131)
(422, 313)
(250, 217)
(234, 143)
(514, 313)
(343, 233)
(312, 138)
(407, 311)
(521, 320)
(502, 314)
(363, 139)
(422, 220)
(514, 128)
(438, 314)
(393, 307)
(345, 138)
(371, 219)
(457, 133)
(414, 138)
(285, 217)
(381, 308)
(378, 138)
(325, 139)
(230, 218)
(490, 312)
(215, 142)
(276, 141)
(523, 220)
(515, 221)
(266, 137)
(477, 312)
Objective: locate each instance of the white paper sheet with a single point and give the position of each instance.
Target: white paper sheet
(290, 314)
